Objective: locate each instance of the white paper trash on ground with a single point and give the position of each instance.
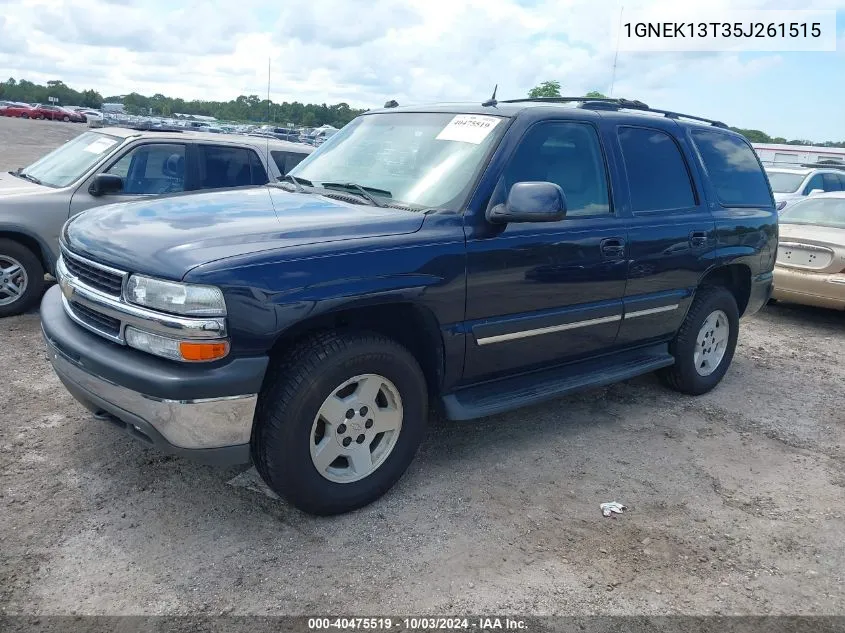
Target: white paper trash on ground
(612, 507)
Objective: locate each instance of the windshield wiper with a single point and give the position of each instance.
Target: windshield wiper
(22, 174)
(364, 192)
(298, 182)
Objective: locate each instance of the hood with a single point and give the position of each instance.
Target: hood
(13, 186)
(168, 236)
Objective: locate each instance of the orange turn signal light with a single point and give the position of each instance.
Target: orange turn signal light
(203, 351)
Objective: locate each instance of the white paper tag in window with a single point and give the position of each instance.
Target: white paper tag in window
(468, 128)
(98, 146)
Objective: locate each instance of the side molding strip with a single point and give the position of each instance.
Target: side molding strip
(547, 330)
(639, 313)
(511, 336)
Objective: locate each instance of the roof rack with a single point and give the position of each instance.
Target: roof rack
(140, 127)
(822, 165)
(607, 103)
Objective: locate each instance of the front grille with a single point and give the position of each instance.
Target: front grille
(98, 321)
(102, 280)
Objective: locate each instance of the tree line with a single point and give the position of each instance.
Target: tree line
(253, 109)
(552, 89)
(246, 108)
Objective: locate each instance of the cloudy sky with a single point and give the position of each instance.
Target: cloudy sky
(367, 51)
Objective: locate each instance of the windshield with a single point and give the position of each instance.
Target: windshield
(784, 182)
(425, 160)
(819, 211)
(64, 165)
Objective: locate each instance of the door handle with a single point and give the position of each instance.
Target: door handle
(612, 247)
(698, 239)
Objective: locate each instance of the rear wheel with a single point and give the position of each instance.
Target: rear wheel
(24, 116)
(21, 278)
(339, 420)
(705, 344)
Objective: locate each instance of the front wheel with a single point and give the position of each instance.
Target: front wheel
(21, 278)
(339, 420)
(65, 119)
(705, 344)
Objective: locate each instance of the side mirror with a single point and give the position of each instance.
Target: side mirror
(530, 202)
(815, 191)
(104, 184)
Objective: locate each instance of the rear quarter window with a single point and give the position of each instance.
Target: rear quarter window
(733, 168)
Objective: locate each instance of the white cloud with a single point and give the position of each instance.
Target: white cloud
(362, 53)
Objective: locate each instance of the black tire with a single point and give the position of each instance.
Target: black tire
(683, 375)
(24, 116)
(34, 274)
(293, 392)
(65, 119)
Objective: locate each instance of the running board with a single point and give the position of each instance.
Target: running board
(505, 394)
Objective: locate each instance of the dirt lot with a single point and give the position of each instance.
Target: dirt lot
(735, 499)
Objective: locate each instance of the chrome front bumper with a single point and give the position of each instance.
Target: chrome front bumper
(184, 425)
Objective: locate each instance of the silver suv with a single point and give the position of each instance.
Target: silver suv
(790, 184)
(114, 165)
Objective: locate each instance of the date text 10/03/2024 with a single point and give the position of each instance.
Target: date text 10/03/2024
(419, 623)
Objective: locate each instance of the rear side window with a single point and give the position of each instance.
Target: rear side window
(831, 182)
(221, 166)
(657, 174)
(286, 161)
(733, 169)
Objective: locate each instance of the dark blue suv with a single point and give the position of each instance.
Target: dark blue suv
(471, 258)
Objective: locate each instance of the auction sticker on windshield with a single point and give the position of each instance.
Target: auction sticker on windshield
(99, 146)
(468, 128)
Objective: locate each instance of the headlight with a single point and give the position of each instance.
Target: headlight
(178, 298)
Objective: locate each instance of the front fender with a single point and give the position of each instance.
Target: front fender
(48, 253)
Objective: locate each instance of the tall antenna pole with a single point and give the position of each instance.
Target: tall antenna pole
(269, 111)
(616, 54)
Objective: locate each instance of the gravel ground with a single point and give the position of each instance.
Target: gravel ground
(734, 498)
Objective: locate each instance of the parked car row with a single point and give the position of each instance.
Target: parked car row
(309, 136)
(42, 111)
(96, 118)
